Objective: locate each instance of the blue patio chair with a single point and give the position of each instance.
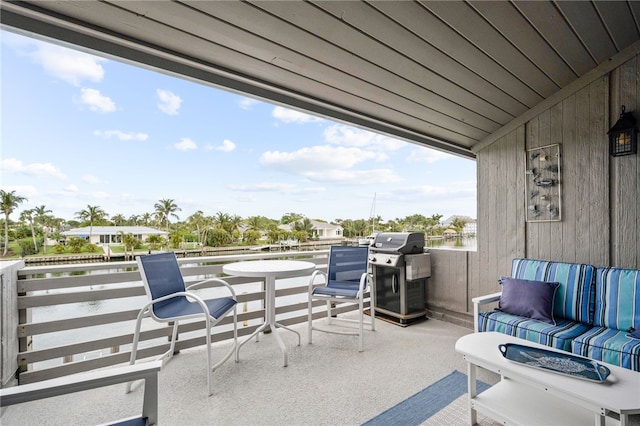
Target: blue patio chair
(171, 301)
(346, 281)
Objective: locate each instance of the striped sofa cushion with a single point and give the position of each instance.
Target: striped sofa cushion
(617, 298)
(609, 345)
(558, 336)
(574, 298)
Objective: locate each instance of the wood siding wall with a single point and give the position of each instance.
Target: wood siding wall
(625, 172)
(600, 194)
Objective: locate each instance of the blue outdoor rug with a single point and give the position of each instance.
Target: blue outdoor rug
(419, 407)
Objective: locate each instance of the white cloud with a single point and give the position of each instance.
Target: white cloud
(291, 116)
(329, 164)
(185, 144)
(227, 146)
(93, 180)
(71, 189)
(285, 188)
(123, 136)
(264, 187)
(96, 101)
(247, 103)
(68, 65)
(350, 136)
(452, 189)
(427, 155)
(13, 165)
(354, 177)
(316, 158)
(98, 195)
(169, 102)
(26, 191)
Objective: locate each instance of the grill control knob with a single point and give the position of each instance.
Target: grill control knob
(388, 260)
(373, 259)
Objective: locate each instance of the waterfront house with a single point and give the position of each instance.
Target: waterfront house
(108, 235)
(470, 224)
(320, 230)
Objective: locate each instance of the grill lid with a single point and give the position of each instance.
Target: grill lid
(399, 242)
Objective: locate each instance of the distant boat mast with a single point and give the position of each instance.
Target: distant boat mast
(372, 215)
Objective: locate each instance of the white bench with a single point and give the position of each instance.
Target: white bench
(91, 380)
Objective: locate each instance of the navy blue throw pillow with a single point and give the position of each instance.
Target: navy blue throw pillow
(530, 299)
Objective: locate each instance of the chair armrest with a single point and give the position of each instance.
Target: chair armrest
(217, 280)
(147, 371)
(313, 278)
(482, 300)
(487, 298)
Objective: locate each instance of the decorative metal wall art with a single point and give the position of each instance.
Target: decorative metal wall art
(543, 184)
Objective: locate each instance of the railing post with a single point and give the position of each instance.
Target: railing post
(9, 346)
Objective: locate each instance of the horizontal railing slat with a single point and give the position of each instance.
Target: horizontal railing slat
(76, 297)
(56, 283)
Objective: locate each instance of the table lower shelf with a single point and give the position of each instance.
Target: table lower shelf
(514, 403)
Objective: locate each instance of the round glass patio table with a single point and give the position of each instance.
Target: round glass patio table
(270, 270)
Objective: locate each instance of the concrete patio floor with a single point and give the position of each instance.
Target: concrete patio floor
(326, 383)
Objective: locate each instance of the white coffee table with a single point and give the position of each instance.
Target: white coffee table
(530, 396)
(270, 270)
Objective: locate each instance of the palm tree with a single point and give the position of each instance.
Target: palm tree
(8, 203)
(166, 208)
(133, 220)
(41, 212)
(119, 220)
(28, 216)
(223, 221)
(291, 218)
(255, 223)
(234, 225)
(93, 214)
(145, 219)
(48, 223)
(197, 220)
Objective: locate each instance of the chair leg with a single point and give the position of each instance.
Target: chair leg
(234, 348)
(361, 336)
(134, 346)
(235, 333)
(372, 309)
(329, 312)
(174, 337)
(207, 324)
(310, 318)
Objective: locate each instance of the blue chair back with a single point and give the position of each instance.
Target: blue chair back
(346, 265)
(162, 276)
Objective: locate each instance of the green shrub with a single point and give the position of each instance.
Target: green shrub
(75, 244)
(26, 246)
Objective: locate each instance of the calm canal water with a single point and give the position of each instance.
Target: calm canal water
(461, 243)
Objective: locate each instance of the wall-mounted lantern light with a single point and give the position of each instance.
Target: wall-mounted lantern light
(623, 135)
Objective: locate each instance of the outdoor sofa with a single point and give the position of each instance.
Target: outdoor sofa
(586, 310)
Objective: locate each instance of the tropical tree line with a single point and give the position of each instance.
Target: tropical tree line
(38, 224)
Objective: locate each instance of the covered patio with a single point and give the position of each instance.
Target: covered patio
(483, 80)
(488, 81)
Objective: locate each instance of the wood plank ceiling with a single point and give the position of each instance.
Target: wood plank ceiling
(446, 74)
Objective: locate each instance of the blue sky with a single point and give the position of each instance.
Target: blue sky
(81, 130)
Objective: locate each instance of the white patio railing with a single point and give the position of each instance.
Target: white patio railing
(80, 317)
(63, 319)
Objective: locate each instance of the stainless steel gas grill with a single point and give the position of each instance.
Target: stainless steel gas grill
(400, 269)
